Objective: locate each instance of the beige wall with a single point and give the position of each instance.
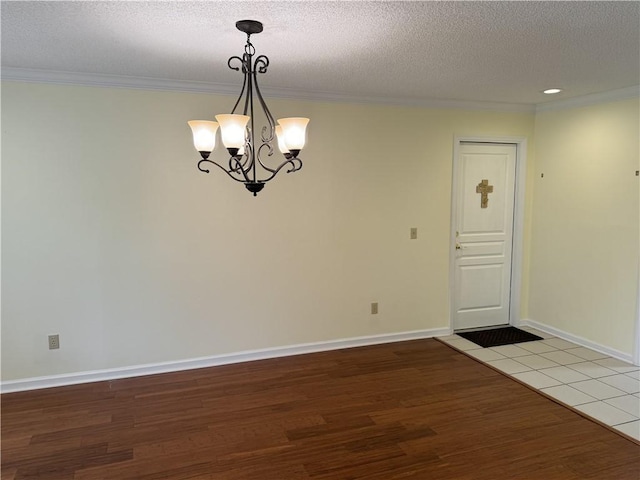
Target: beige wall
(584, 243)
(113, 239)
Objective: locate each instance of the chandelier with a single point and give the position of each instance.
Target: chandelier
(247, 163)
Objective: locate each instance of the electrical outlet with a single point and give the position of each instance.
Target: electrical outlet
(414, 233)
(374, 308)
(54, 342)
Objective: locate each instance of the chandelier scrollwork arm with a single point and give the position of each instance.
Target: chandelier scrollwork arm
(296, 164)
(244, 83)
(231, 59)
(241, 166)
(241, 180)
(269, 149)
(261, 64)
(204, 160)
(268, 131)
(237, 166)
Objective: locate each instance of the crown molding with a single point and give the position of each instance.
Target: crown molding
(403, 102)
(591, 99)
(149, 83)
(115, 81)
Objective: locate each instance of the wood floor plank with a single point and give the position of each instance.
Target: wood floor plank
(410, 410)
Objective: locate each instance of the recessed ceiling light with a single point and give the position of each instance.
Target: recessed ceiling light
(551, 91)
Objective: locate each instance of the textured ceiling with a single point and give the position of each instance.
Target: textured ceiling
(466, 51)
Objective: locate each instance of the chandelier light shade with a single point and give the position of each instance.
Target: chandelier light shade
(293, 131)
(248, 152)
(204, 134)
(280, 135)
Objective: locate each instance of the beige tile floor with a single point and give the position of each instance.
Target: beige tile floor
(599, 386)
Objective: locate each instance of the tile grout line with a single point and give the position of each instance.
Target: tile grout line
(556, 400)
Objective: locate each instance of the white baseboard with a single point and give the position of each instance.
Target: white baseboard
(35, 383)
(583, 342)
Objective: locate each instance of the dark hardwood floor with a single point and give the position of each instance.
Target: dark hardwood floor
(410, 410)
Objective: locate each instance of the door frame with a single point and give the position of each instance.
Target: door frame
(636, 342)
(518, 220)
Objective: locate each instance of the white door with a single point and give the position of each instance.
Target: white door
(485, 187)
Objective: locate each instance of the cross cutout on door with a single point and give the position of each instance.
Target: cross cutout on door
(484, 189)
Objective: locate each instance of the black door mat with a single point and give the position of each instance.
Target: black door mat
(499, 336)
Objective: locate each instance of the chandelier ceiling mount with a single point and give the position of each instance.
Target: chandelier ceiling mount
(250, 27)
